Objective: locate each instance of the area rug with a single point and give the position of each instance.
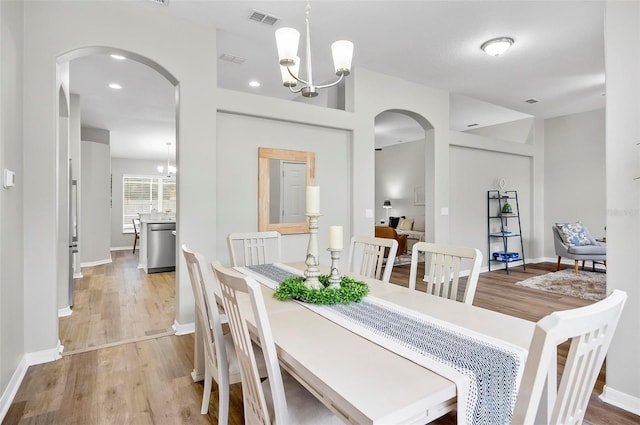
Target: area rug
(585, 285)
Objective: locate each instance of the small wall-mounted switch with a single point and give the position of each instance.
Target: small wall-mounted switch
(8, 178)
(368, 213)
(444, 210)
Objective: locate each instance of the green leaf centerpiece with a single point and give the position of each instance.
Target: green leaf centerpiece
(349, 291)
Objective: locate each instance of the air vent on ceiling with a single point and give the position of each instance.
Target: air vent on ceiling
(532, 100)
(160, 2)
(231, 58)
(472, 125)
(378, 149)
(263, 17)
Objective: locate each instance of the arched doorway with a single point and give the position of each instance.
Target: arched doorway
(73, 157)
(404, 171)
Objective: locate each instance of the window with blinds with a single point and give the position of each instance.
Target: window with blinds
(142, 194)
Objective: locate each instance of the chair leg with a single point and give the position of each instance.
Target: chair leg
(583, 261)
(206, 395)
(135, 241)
(575, 266)
(558, 268)
(223, 404)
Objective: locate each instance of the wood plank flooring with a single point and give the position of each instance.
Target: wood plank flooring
(118, 302)
(148, 381)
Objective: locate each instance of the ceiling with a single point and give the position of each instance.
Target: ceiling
(557, 58)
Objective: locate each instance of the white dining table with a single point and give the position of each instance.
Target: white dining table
(360, 380)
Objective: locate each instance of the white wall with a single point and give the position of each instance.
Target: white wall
(574, 163)
(370, 93)
(622, 62)
(188, 53)
(119, 168)
(237, 191)
(400, 169)
(184, 53)
(473, 173)
(76, 166)
(515, 131)
(95, 235)
(12, 296)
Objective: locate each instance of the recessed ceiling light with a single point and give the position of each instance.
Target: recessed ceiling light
(497, 46)
(118, 57)
(254, 83)
(115, 86)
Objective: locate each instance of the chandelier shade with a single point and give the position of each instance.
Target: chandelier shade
(287, 40)
(288, 79)
(342, 52)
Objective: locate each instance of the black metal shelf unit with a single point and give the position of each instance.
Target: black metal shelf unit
(499, 213)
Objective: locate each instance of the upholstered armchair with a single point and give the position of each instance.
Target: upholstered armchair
(390, 233)
(580, 245)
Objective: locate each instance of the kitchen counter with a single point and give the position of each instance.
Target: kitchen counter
(144, 238)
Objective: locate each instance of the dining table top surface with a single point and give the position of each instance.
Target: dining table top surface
(364, 382)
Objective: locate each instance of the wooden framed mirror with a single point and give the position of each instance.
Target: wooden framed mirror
(283, 176)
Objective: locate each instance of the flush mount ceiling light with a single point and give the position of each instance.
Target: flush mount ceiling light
(115, 86)
(118, 57)
(497, 46)
(254, 83)
(287, 42)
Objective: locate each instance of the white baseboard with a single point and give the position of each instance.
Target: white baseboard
(187, 328)
(622, 400)
(64, 312)
(44, 356)
(12, 387)
(96, 263)
(122, 248)
(28, 359)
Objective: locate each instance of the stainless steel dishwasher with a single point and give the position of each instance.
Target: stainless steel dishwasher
(161, 247)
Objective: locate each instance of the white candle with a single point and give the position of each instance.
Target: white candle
(313, 199)
(335, 237)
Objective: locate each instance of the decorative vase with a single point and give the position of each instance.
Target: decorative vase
(506, 208)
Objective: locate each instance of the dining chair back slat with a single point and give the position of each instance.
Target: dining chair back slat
(590, 330)
(372, 261)
(444, 269)
(256, 248)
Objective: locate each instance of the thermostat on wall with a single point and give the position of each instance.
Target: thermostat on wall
(9, 178)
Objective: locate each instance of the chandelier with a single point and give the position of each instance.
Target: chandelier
(287, 42)
(171, 169)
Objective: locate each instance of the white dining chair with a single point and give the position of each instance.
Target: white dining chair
(372, 258)
(253, 248)
(444, 269)
(279, 399)
(590, 330)
(220, 360)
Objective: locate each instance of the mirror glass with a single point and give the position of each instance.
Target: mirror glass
(282, 179)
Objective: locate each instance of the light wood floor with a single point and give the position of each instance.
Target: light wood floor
(149, 382)
(118, 302)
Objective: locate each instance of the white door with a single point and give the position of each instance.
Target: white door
(294, 183)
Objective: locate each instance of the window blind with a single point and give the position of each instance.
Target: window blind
(142, 194)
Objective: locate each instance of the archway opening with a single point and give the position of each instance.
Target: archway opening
(139, 119)
(404, 175)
